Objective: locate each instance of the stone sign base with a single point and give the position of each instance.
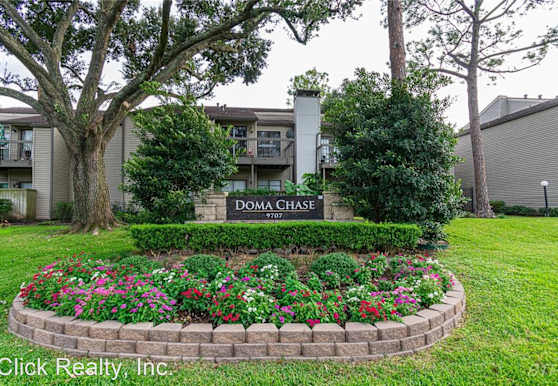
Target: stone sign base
(212, 207)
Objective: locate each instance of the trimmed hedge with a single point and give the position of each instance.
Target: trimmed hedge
(308, 234)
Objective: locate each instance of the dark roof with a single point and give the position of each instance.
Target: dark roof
(516, 115)
(31, 120)
(18, 110)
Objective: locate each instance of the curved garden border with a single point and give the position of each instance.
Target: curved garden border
(232, 342)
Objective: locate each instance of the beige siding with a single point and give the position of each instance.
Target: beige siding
(42, 169)
(519, 154)
(113, 166)
(131, 142)
(61, 184)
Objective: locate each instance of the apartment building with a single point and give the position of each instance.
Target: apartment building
(520, 138)
(273, 146)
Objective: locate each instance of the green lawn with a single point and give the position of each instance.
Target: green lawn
(509, 268)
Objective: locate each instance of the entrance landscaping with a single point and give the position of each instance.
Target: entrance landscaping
(508, 267)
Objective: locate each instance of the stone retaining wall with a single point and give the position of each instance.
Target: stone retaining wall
(232, 342)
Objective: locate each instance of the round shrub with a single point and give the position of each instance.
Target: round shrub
(140, 264)
(205, 266)
(283, 265)
(339, 263)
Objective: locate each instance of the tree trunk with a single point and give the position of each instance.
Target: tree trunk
(396, 40)
(482, 207)
(92, 210)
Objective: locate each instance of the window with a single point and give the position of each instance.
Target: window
(239, 133)
(26, 185)
(3, 185)
(274, 185)
(327, 151)
(27, 144)
(234, 186)
(5, 133)
(269, 144)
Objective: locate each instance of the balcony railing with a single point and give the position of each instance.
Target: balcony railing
(269, 151)
(14, 152)
(326, 155)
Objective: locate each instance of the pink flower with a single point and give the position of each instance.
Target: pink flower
(123, 306)
(114, 310)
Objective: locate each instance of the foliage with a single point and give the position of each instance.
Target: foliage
(310, 80)
(200, 154)
(395, 153)
(5, 208)
(315, 182)
(497, 206)
(189, 48)
(309, 234)
(519, 210)
(338, 263)
(140, 264)
(497, 260)
(377, 264)
(204, 287)
(206, 266)
(283, 265)
(64, 211)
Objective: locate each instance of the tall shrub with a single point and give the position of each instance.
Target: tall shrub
(395, 150)
(181, 154)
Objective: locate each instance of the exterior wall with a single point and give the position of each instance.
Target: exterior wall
(519, 154)
(61, 182)
(42, 177)
(113, 165)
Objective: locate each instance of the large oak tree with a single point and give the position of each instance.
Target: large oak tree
(189, 47)
(468, 38)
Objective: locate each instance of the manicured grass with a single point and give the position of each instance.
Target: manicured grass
(509, 268)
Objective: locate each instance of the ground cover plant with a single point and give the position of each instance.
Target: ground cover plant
(266, 289)
(508, 266)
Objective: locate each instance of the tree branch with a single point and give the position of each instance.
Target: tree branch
(488, 19)
(29, 101)
(450, 72)
(26, 28)
(516, 50)
(163, 39)
(62, 27)
(109, 13)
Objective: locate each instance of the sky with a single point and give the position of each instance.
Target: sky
(343, 46)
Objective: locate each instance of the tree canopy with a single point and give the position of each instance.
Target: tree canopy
(188, 47)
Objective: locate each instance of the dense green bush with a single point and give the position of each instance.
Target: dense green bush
(395, 151)
(283, 265)
(206, 266)
(308, 234)
(339, 263)
(519, 210)
(497, 206)
(5, 208)
(64, 211)
(182, 153)
(140, 264)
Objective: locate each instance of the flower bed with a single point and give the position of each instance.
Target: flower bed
(138, 311)
(337, 289)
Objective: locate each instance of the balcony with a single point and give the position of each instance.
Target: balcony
(16, 153)
(326, 157)
(264, 151)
